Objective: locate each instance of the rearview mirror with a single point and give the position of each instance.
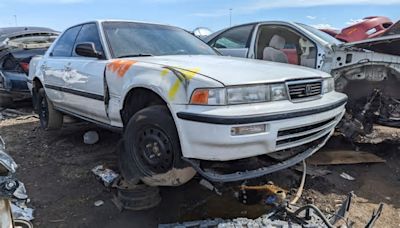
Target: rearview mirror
(87, 49)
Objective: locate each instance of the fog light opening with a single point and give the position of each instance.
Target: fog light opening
(248, 130)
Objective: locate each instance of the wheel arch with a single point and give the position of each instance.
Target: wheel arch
(138, 98)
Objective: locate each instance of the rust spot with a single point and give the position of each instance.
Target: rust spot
(120, 67)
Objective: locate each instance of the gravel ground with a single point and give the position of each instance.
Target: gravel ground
(55, 167)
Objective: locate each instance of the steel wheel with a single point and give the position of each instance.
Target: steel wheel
(154, 150)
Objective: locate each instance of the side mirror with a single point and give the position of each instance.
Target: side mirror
(87, 49)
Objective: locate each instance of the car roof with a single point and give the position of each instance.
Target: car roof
(10, 31)
(99, 21)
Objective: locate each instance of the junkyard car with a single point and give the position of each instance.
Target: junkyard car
(17, 46)
(367, 71)
(180, 105)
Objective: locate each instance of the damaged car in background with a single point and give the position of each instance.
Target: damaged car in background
(180, 105)
(17, 46)
(367, 71)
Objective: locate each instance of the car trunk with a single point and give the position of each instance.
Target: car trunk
(389, 44)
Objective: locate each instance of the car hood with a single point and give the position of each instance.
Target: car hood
(235, 71)
(389, 44)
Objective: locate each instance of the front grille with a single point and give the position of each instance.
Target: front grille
(303, 129)
(302, 89)
(296, 135)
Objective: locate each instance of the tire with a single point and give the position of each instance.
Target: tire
(152, 140)
(50, 119)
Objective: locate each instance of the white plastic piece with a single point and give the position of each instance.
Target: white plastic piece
(90, 137)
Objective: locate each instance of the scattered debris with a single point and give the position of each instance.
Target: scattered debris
(98, 203)
(12, 192)
(105, 174)
(22, 212)
(347, 176)
(127, 196)
(91, 137)
(312, 170)
(135, 197)
(285, 215)
(340, 157)
(205, 183)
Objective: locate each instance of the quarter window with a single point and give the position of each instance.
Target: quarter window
(64, 45)
(237, 37)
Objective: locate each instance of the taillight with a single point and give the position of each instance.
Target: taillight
(24, 66)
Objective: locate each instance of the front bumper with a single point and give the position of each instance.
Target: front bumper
(208, 137)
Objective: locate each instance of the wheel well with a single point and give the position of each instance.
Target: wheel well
(37, 84)
(138, 99)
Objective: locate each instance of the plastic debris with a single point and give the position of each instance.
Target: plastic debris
(98, 203)
(209, 186)
(20, 192)
(90, 137)
(104, 174)
(347, 176)
(22, 212)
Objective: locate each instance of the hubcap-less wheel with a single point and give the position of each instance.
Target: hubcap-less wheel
(155, 150)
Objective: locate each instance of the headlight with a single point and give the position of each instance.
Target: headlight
(328, 85)
(248, 94)
(239, 95)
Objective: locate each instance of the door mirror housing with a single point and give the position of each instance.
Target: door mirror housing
(87, 49)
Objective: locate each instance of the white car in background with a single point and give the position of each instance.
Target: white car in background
(180, 105)
(367, 71)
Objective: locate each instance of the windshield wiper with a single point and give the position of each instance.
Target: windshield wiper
(135, 55)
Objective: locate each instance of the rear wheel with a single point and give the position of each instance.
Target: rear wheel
(49, 117)
(151, 139)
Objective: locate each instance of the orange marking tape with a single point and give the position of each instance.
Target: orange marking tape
(120, 67)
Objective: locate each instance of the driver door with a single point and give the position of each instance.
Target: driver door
(85, 78)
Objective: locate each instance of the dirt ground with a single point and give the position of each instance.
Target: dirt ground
(56, 169)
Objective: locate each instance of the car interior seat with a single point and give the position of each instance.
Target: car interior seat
(273, 51)
(308, 55)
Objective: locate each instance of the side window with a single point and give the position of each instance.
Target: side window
(89, 33)
(64, 46)
(283, 44)
(233, 38)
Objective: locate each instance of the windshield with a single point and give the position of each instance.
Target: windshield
(322, 35)
(139, 39)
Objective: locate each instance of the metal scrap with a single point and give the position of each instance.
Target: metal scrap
(106, 175)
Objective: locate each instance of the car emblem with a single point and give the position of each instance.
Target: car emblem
(308, 89)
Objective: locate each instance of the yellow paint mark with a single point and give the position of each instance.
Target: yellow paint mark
(174, 89)
(188, 74)
(120, 67)
(164, 72)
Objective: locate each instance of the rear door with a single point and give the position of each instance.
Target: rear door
(55, 66)
(234, 41)
(85, 78)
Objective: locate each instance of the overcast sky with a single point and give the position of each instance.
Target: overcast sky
(189, 14)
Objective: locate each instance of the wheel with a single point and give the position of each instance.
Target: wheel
(49, 117)
(151, 139)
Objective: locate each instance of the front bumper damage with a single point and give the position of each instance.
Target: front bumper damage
(213, 174)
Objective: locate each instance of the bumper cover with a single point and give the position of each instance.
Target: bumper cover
(250, 174)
